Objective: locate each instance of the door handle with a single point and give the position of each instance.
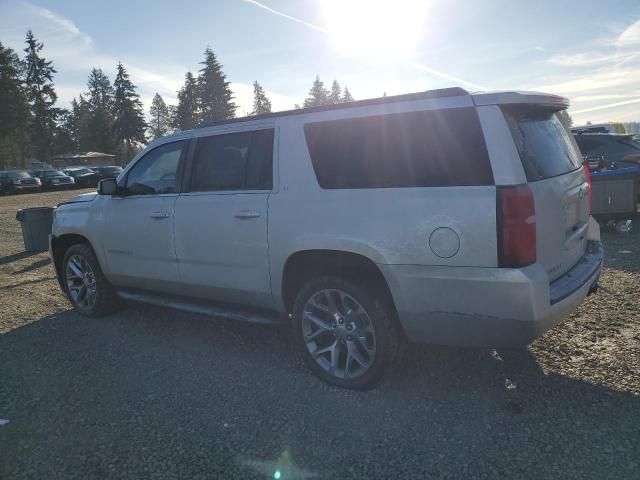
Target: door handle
(247, 214)
(159, 215)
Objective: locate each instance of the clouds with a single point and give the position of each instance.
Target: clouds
(630, 37)
(602, 78)
(74, 54)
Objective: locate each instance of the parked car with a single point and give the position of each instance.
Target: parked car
(83, 177)
(54, 179)
(614, 150)
(111, 171)
(438, 217)
(17, 181)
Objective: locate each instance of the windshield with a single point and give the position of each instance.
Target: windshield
(545, 146)
(54, 173)
(81, 171)
(19, 174)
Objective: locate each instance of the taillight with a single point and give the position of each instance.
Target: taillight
(585, 167)
(516, 217)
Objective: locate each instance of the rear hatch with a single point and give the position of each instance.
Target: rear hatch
(553, 167)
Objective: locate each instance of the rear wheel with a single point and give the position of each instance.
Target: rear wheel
(86, 286)
(346, 335)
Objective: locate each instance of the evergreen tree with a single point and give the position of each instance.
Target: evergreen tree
(81, 111)
(317, 94)
(41, 96)
(186, 114)
(346, 96)
(99, 133)
(215, 96)
(335, 96)
(129, 125)
(14, 110)
(261, 104)
(159, 124)
(565, 119)
(63, 136)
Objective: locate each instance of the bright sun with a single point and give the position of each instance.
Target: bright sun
(375, 28)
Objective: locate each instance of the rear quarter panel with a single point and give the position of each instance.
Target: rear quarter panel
(390, 226)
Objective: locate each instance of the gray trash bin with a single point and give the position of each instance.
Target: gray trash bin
(36, 227)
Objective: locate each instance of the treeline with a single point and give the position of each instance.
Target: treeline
(109, 117)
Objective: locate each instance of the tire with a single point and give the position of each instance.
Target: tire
(354, 336)
(84, 262)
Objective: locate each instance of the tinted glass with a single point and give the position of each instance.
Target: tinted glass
(416, 149)
(586, 144)
(156, 172)
(18, 174)
(235, 161)
(545, 146)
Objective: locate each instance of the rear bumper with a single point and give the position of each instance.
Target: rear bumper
(495, 307)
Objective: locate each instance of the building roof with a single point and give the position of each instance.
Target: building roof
(82, 156)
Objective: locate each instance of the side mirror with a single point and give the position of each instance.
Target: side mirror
(108, 186)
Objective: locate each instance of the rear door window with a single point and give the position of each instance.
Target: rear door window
(413, 149)
(234, 161)
(545, 146)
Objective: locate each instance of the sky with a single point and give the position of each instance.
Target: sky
(588, 51)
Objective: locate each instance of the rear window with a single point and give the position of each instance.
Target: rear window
(414, 149)
(545, 146)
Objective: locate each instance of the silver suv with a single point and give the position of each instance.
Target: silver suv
(437, 217)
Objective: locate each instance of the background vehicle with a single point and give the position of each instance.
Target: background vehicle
(82, 176)
(437, 217)
(17, 181)
(614, 150)
(54, 179)
(111, 171)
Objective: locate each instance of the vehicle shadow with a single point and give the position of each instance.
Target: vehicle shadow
(17, 256)
(148, 391)
(34, 266)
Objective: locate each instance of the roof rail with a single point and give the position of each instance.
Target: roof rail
(426, 95)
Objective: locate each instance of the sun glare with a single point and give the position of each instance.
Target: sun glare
(375, 28)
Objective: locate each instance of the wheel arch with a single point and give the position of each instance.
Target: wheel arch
(302, 265)
(59, 245)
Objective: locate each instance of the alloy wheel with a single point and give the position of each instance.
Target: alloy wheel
(338, 334)
(81, 282)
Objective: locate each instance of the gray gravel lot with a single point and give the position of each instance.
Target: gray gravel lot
(152, 393)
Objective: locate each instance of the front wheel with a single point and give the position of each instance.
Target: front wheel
(86, 286)
(347, 336)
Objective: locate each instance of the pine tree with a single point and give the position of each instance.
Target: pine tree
(335, 96)
(41, 96)
(565, 119)
(346, 96)
(100, 132)
(63, 137)
(317, 94)
(187, 114)
(129, 125)
(159, 124)
(81, 111)
(261, 104)
(14, 110)
(215, 96)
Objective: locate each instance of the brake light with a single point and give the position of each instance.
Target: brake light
(585, 167)
(516, 226)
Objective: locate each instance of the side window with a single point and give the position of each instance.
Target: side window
(235, 161)
(156, 172)
(413, 149)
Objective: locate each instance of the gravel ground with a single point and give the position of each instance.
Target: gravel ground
(151, 393)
